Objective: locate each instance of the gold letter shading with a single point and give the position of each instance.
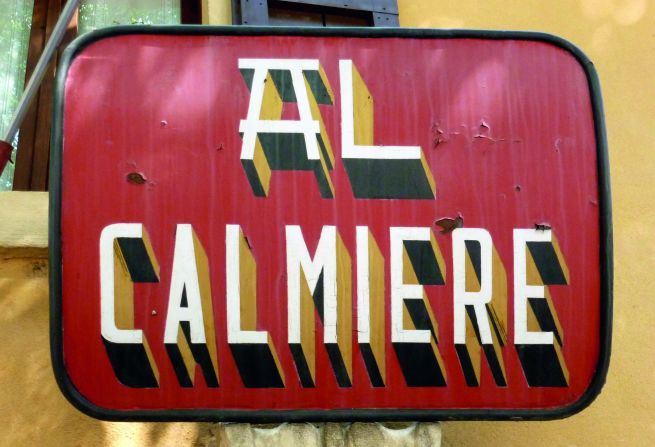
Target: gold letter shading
(376, 171)
(270, 143)
(126, 257)
(190, 332)
(253, 351)
(544, 364)
(370, 306)
(496, 312)
(416, 341)
(327, 287)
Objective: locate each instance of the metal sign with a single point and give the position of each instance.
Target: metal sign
(283, 224)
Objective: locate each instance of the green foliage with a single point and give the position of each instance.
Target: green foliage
(96, 14)
(14, 35)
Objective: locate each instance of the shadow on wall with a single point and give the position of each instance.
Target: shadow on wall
(618, 37)
(32, 409)
(33, 412)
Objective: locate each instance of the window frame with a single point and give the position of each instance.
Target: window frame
(384, 13)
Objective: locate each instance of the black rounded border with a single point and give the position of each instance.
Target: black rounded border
(266, 416)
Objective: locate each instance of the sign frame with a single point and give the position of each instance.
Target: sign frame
(267, 416)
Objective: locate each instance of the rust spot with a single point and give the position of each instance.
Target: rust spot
(517, 187)
(542, 226)
(136, 178)
(449, 224)
(220, 147)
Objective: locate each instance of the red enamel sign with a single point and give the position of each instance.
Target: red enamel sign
(315, 225)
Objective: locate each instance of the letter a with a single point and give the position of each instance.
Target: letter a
(271, 143)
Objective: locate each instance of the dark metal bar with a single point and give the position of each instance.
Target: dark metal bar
(382, 6)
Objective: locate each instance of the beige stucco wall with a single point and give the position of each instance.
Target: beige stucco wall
(619, 37)
(33, 412)
(32, 409)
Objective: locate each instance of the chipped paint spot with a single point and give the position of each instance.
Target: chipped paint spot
(136, 178)
(439, 135)
(449, 224)
(558, 142)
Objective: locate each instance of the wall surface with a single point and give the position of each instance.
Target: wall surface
(33, 411)
(619, 37)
